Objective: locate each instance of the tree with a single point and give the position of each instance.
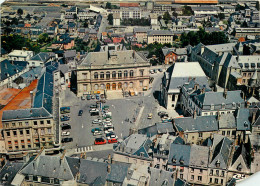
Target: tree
(110, 19)
(43, 38)
(187, 11)
(108, 5)
(20, 11)
(221, 16)
(28, 16)
(174, 14)
(167, 16)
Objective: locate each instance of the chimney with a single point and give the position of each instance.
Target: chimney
(253, 117)
(108, 168)
(194, 114)
(202, 49)
(225, 93)
(203, 90)
(196, 86)
(31, 95)
(218, 116)
(189, 79)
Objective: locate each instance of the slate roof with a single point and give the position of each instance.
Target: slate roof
(242, 151)
(92, 172)
(42, 56)
(221, 153)
(217, 99)
(159, 32)
(158, 128)
(25, 114)
(198, 124)
(118, 172)
(227, 121)
(242, 119)
(52, 167)
(69, 53)
(161, 177)
(9, 171)
(199, 156)
(8, 69)
(122, 57)
(180, 182)
(207, 142)
(179, 153)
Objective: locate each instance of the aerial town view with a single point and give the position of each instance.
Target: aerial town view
(129, 93)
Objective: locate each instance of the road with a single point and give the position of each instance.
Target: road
(103, 26)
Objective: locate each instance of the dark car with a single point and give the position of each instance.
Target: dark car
(65, 126)
(94, 113)
(65, 118)
(80, 112)
(100, 141)
(66, 140)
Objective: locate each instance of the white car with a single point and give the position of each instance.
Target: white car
(108, 125)
(97, 121)
(106, 122)
(97, 133)
(111, 136)
(108, 129)
(93, 110)
(66, 133)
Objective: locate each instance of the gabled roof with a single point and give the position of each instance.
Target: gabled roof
(9, 171)
(8, 69)
(244, 153)
(42, 56)
(198, 124)
(242, 119)
(161, 177)
(227, 121)
(118, 172)
(199, 156)
(158, 128)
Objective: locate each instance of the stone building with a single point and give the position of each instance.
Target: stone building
(112, 70)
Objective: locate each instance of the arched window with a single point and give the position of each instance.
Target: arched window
(125, 74)
(102, 86)
(113, 86)
(108, 86)
(114, 74)
(120, 74)
(131, 73)
(102, 75)
(107, 75)
(131, 84)
(96, 87)
(95, 75)
(119, 85)
(125, 85)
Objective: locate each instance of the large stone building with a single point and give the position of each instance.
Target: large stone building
(160, 36)
(112, 70)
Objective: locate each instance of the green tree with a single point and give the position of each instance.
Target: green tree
(20, 11)
(110, 19)
(166, 16)
(108, 5)
(187, 11)
(43, 38)
(174, 14)
(221, 16)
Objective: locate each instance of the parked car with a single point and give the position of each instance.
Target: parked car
(155, 70)
(93, 97)
(161, 112)
(97, 121)
(160, 70)
(111, 135)
(113, 140)
(66, 140)
(108, 129)
(95, 129)
(100, 141)
(94, 113)
(80, 112)
(97, 96)
(97, 133)
(82, 98)
(93, 106)
(65, 118)
(93, 110)
(151, 71)
(65, 126)
(88, 97)
(150, 116)
(64, 110)
(65, 133)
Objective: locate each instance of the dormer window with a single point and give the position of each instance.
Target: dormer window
(212, 107)
(223, 105)
(173, 160)
(239, 167)
(233, 105)
(217, 163)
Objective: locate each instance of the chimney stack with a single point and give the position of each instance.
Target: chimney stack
(225, 93)
(194, 114)
(253, 117)
(31, 95)
(108, 168)
(218, 116)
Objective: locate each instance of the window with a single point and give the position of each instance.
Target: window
(193, 137)
(23, 146)
(29, 146)
(108, 86)
(20, 124)
(131, 73)
(141, 72)
(222, 173)
(211, 172)
(8, 133)
(199, 178)
(200, 134)
(192, 177)
(131, 84)
(15, 133)
(192, 170)
(41, 122)
(13, 124)
(228, 133)
(221, 181)
(107, 75)
(43, 139)
(9, 142)
(210, 180)
(84, 75)
(35, 132)
(125, 85)
(35, 122)
(27, 132)
(15, 142)
(96, 87)
(21, 132)
(119, 85)
(223, 133)
(42, 131)
(49, 130)
(217, 172)
(125, 74)
(95, 75)
(7, 125)
(22, 141)
(181, 176)
(120, 74)
(201, 171)
(216, 180)
(114, 74)
(48, 121)
(223, 105)
(141, 83)
(85, 87)
(26, 123)
(102, 86)
(113, 86)
(102, 75)
(28, 141)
